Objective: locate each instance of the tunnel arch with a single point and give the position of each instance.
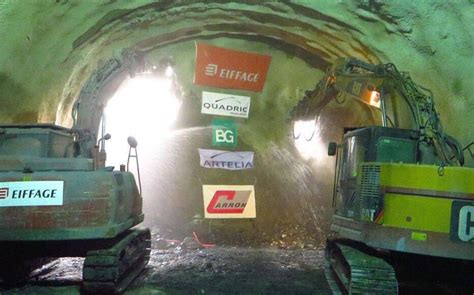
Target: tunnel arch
(293, 29)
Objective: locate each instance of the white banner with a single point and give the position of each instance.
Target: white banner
(229, 201)
(31, 193)
(225, 104)
(225, 159)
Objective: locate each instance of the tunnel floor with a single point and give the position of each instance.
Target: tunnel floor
(186, 267)
(183, 269)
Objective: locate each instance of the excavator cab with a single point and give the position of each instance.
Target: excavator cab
(363, 145)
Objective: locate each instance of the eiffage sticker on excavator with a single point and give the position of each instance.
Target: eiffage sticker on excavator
(31, 193)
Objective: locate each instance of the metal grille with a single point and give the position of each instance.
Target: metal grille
(369, 187)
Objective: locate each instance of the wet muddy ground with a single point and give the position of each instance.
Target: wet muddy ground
(284, 266)
(218, 270)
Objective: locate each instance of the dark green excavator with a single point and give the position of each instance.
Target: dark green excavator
(58, 199)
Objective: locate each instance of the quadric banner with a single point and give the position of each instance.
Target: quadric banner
(222, 104)
(31, 193)
(229, 201)
(227, 68)
(226, 160)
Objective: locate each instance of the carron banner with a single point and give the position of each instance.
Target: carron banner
(227, 68)
(229, 201)
(31, 193)
(226, 160)
(222, 104)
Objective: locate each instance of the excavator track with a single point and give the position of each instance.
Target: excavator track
(351, 271)
(111, 270)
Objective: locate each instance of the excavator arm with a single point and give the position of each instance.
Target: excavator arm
(401, 102)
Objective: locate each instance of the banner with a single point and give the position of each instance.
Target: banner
(227, 68)
(31, 193)
(226, 160)
(229, 201)
(224, 133)
(222, 104)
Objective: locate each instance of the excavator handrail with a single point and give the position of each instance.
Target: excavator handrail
(468, 148)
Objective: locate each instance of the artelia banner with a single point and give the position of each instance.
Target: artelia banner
(227, 68)
(31, 193)
(229, 201)
(222, 104)
(226, 160)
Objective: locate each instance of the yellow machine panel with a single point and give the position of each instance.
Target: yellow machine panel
(428, 180)
(427, 199)
(417, 213)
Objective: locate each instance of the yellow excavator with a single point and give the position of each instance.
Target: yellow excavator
(400, 187)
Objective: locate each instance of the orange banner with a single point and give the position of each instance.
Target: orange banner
(226, 68)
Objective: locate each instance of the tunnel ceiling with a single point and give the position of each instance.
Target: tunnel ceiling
(49, 48)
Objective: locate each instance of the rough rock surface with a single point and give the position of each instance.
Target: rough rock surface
(49, 48)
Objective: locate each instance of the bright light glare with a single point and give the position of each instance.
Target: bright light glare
(304, 129)
(143, 107)
(308, 141)
(169, 71)
(375, 99)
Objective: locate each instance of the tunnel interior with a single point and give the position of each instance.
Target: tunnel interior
(303, 40)
(46, 69)
(172, 180)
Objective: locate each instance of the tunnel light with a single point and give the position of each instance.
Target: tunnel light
(305, 129)
(144, 107)
(169, 71)
(375, 99)
(308, 141)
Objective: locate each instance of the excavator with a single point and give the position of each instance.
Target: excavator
(59, 199)
(400, 185)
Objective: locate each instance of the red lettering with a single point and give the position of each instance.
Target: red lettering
(215, 207)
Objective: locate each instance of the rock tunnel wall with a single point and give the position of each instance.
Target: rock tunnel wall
(50, 48)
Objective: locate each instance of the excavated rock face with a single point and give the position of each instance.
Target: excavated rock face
(50, 48)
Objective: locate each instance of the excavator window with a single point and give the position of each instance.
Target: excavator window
(354, 153)
(396, 150)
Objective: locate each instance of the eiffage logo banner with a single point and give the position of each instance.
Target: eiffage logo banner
(31, 193)
(226, 68)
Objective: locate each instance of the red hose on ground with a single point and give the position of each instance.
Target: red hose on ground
(199, 242)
